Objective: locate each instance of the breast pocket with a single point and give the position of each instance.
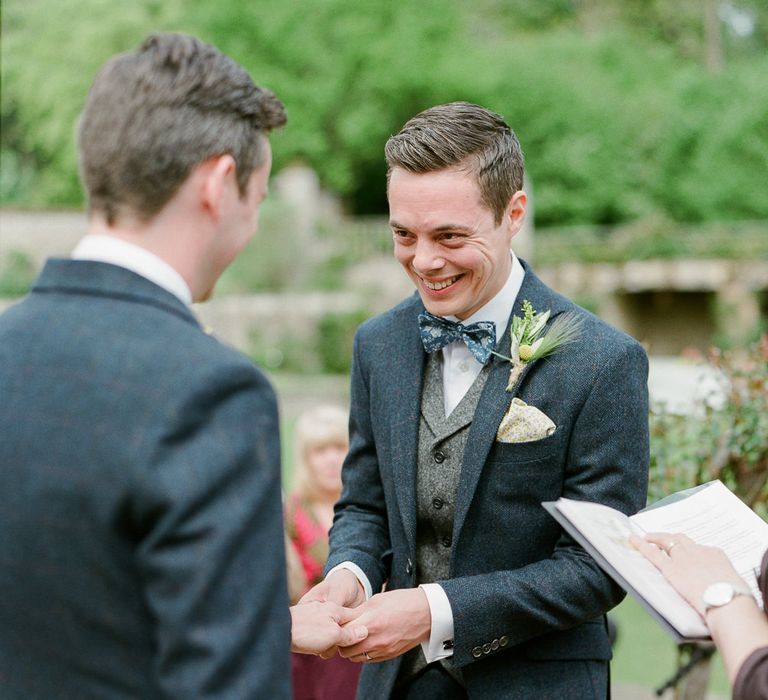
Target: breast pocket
(547, 448)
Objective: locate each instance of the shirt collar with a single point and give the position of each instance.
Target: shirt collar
(108, 249)
(499, 309)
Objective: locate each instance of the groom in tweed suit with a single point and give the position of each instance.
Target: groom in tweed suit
(484, 596)
(141, 531)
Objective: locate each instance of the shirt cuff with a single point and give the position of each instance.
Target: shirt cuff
(357, 571)
(440, 642)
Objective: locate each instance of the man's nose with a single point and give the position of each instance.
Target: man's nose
(427, 257)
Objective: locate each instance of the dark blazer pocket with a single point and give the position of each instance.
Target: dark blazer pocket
(585, 642)
(520, 452)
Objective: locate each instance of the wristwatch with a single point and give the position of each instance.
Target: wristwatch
(721, 593)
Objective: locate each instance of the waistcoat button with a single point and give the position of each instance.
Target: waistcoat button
(439, 456)
(437, 503)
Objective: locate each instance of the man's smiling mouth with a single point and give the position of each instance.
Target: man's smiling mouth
(437, 286)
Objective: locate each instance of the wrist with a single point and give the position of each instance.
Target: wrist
(723, 594)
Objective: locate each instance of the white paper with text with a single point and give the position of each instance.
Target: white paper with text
(712, 516)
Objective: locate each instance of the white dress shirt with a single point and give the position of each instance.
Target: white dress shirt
(460, 369)
(108, 249)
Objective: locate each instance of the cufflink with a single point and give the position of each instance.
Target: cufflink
(447, 645)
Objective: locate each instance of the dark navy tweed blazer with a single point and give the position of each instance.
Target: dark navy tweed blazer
(141, 547)
(528, 603)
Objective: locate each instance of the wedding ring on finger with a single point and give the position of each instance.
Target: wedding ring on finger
(367, 656)
(671, 544)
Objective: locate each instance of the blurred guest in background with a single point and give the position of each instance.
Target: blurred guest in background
(705, 577)
(320, 446)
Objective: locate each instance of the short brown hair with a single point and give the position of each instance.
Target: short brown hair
(154, 114)
(462, 134)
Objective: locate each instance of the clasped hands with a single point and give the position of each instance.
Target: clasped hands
(334, 616)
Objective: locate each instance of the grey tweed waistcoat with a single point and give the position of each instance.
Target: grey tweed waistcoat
(440, 451)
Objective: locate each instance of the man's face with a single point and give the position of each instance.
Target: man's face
(447, 241)
(251, 201)
(241, 220)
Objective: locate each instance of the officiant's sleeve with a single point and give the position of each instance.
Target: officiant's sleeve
(751, 681)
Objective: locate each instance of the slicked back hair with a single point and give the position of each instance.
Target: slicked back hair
(154, 114)
(462, 135)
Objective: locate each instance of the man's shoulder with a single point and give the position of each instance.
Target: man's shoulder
(596, 336)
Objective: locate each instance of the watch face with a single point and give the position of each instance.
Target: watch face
(718, 594)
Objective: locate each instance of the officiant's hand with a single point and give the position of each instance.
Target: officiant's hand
(318, 628)
(341, 587)
(688, 566)
(396, 621)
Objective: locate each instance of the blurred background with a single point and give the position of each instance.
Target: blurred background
(645, 129)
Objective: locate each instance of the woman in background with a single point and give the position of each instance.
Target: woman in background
(320, 446)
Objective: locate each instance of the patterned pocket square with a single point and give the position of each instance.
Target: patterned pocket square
(524, 423)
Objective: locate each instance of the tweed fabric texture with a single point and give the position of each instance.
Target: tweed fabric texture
(140, 510)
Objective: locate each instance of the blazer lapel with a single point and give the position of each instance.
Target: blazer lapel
(405, 386)
(495, 398)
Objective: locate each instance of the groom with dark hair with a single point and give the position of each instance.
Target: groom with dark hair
(141, 553)
(472, 402)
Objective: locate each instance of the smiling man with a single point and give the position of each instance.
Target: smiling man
(484, 596)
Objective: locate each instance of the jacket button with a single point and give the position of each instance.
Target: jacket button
(477, 652)
(437, 503)
(486, 648)
(495, 644)
(503, 640)
(446, 541)
(409, 567)
(439, 456)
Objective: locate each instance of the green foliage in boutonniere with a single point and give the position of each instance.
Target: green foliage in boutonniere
(529, 341)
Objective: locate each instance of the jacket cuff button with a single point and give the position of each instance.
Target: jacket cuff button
(477, 652)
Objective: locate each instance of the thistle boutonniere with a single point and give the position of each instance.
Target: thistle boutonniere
(529, 341)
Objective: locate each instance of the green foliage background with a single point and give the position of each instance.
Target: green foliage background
(613, 105)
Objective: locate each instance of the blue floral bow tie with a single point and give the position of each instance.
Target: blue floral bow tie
(437, 332)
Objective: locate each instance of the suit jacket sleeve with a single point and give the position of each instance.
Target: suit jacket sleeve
(607, 462)
(360, 534)
(211, 550)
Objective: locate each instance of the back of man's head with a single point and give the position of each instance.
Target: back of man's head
(154, 114)
(462, 135)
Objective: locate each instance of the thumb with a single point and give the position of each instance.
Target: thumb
(344, 615)
(352, 634)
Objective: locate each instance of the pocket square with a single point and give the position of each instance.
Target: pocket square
(524, 423)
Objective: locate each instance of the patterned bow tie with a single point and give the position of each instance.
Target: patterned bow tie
(437, 332)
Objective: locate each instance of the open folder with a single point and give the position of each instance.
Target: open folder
(709, 514)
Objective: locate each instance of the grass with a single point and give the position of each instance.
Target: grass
(645, 656)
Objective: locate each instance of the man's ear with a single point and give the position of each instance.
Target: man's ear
(515, 212)
(218, 174)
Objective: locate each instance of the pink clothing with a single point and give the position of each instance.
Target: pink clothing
(315, 678)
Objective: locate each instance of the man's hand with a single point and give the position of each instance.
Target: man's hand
(396, 621)
(316, 628)
(341, 587)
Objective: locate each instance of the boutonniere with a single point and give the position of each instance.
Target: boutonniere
(532, 339)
